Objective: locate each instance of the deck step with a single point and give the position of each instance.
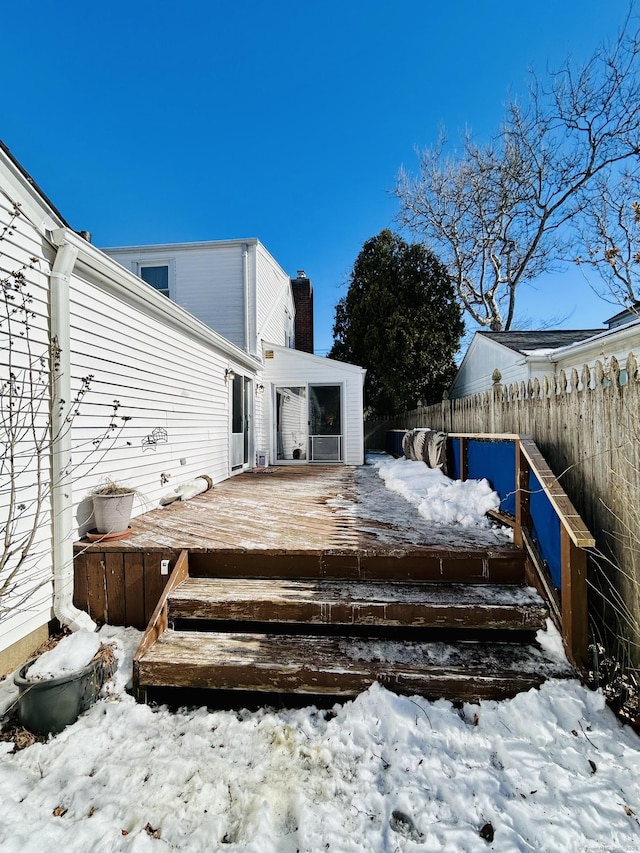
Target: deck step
(435, 564)
(342, 666)
(419, 605)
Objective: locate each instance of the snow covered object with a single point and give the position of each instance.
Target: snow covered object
(58, 686)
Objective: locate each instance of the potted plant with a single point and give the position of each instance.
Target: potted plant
(112, 506)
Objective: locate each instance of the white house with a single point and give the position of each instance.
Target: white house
(237, 288)
(233, 286)
(520, 356)
(141, 390)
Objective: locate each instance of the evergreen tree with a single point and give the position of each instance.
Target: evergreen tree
(401, 321)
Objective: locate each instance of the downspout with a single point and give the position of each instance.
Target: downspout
(245, 281)
(61, 449)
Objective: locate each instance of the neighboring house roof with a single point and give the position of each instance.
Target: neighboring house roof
(519, 356)
(525, 342)
(626, 316)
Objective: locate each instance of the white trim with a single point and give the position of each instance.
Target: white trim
(169, 263)
(113, 278)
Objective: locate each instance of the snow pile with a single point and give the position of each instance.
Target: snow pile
(551, 770)
(71, 655)
(438, 499)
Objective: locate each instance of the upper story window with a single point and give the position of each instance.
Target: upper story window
(157, 275)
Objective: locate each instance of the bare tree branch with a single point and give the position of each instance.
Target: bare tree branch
(496, 212)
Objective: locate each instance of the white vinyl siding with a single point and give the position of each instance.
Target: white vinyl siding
(293, 368)
(275, 307)
(169, 385)
(207, 280)
(17, 247)
(165, 369)
(482, 358)
(235, 287)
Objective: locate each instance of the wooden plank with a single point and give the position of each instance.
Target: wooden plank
(134, 591)
(80, 582)
(358, 603)
(567, 513)
(284, 511)
(96, 587)
(574, 599)
(154, 582)
(499, 564)
(336, 666)
(487, 436)
(540, 578)
(114, 582)
(158, 622)
(507, 520)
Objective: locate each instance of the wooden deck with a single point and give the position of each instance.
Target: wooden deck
(317, 581)
(286, 522)
(291, 509)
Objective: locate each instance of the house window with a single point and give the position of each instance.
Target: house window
(157, 275)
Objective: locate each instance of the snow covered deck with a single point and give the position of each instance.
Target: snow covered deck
(294, 522)
(297, 509)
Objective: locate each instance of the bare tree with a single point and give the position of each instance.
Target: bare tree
(610, 233)
(496, 212)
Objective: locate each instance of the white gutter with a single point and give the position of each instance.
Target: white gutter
(620, 333)
(109, 275)
(61, 481)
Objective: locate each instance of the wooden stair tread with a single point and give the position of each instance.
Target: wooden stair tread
(358, 602)
(466, 671)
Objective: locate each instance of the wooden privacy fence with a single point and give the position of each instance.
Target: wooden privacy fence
(545, 523)
(587, 426)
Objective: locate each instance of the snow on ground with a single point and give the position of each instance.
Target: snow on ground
(550, 770)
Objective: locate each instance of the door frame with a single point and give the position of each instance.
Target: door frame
(246, 415)
(275, 387)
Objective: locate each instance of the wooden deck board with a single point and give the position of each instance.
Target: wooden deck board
(343, 666)
(288, 509)
(465, 606)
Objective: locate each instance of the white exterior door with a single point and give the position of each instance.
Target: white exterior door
(241, 416)
(325, 423)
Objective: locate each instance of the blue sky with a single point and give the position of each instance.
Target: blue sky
(148, 122)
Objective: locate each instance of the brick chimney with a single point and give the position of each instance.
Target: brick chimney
(303, 301)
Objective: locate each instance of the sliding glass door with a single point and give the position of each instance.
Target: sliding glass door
(241, 415)
(309, 423)
(292, 431)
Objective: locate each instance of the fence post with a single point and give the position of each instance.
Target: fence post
(574, 598)
(523, 516)
(464, 461)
